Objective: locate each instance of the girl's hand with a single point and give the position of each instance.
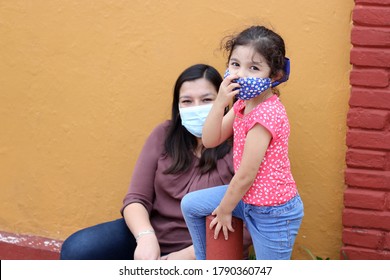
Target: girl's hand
(227, 90)
(222, 220)
(147, 248)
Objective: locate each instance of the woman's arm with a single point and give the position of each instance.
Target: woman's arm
(137, 219)
(139, 198)
(141, 187)
(256, 144)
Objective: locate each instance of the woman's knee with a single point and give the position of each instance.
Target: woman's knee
(72, 248)
(84, 244)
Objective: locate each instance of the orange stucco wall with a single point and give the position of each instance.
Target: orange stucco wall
(82, 83)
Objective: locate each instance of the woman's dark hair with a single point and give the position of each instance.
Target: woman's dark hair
(181, 144)
(265, 41)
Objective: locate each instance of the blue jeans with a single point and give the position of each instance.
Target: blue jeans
(107, 241)
(273, 229)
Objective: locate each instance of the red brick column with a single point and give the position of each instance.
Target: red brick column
(366, 216)
(221, 249)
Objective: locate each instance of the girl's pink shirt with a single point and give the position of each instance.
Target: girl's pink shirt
(274, 183)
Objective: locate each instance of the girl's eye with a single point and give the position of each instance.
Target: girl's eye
(186, 101)
(255, 68)
(235, 64)
(208, 100)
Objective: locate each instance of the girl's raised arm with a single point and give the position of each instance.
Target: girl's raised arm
(217, 127)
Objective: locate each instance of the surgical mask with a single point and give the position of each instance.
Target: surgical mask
(193, 118)
(251, 87)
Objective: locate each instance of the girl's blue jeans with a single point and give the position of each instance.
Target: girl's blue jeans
(273, 229)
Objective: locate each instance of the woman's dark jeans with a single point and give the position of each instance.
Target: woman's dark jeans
(107, 241)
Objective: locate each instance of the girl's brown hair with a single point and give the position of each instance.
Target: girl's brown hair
(265, 41)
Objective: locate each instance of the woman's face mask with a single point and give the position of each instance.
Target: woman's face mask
(193, 118)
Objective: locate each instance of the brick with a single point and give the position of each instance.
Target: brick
(388, 202)
(366, 219)
(370, 57)
(373, 179)
(356, 253)
(368, 139)
(369, 36)
(379, 2)
(366, 238)
(379, 16)
(386, 243)
(369, 77)
(366, 158)
(365, 199)
(367, 118)
(370, 98)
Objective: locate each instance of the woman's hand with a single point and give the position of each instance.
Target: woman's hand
(185, 254)
(147, 248)
(222, 220)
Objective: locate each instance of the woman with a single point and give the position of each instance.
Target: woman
(173, 162)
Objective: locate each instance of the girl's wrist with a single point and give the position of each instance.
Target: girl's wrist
(223, 209)
(220, 106)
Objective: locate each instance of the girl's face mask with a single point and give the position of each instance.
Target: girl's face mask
(193, 118)
(251, 87)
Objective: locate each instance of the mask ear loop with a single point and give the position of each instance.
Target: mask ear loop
(286, 73)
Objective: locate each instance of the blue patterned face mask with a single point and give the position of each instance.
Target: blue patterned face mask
(193, 118)
(251, 87)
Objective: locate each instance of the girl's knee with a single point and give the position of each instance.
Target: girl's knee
(202, 201)
(186, 204)
(192, 203)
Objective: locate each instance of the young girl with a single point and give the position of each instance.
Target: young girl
(262, 192)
